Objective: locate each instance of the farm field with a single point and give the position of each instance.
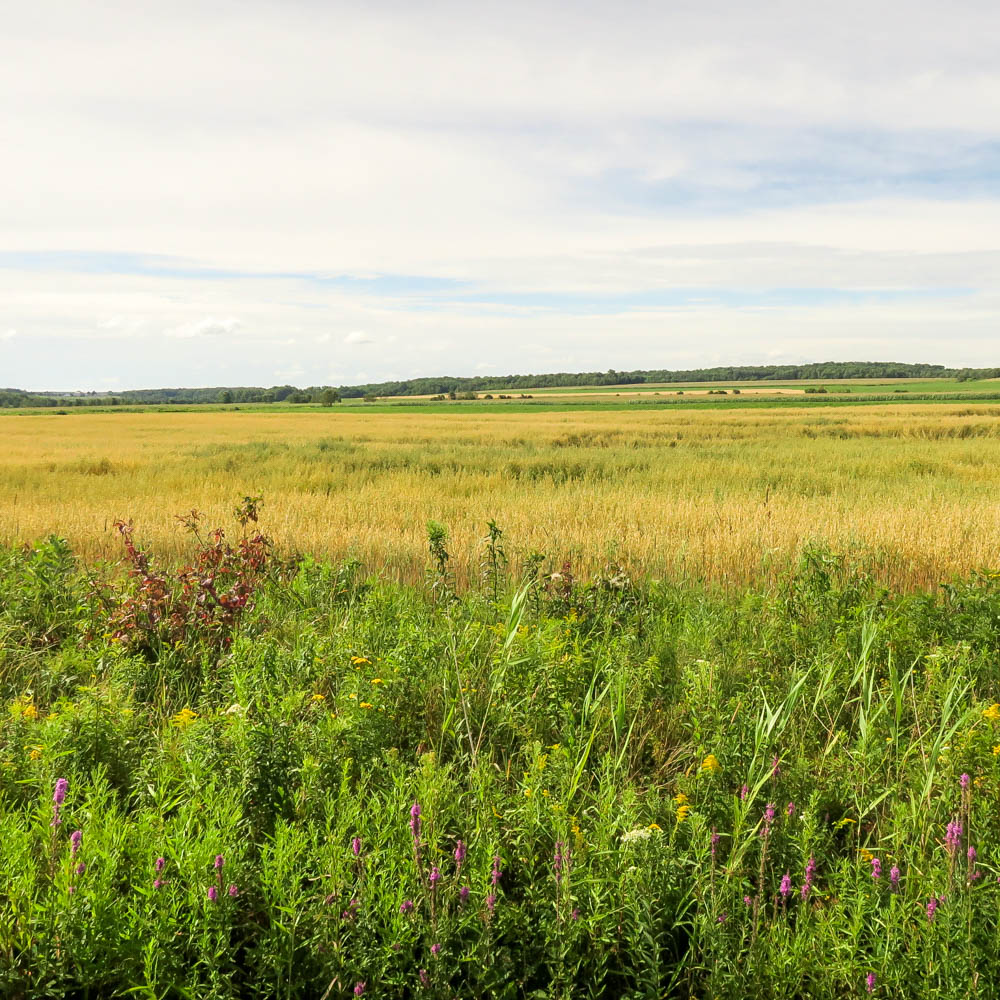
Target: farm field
(725, 496)
(712, 710)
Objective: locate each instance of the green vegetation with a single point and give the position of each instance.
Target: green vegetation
(447, 386)
(258, 776)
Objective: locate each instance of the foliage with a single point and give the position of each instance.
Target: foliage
(584, 788)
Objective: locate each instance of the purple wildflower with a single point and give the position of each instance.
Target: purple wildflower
(790, 809)
(491, 901)
(80, 868)
(971, 855)
(932, 905)
(356, 846)
(460, 853)
(721, 919)
(74, 842)
(435, 876)
(233, 892)
(59, 795)
(160, 862)
(747, 901)
(406, 906)
(953, 836)
(744, 792)
(219, 862)
(496, 874)
(870, 982)
(715, 841)
(775, 766)
(894, 877)
(435, 950)
(964, 782)
(463, 895)
(425, 980)
(213, 893)
(575, 915)
(415, 822)
(359, 988)
(786, 886)
(876, 868)
(158, 883)
(557, 861)
(810, 875)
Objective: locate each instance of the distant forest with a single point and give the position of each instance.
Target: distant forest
(447, 384)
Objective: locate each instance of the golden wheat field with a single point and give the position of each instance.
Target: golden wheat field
(719, 495)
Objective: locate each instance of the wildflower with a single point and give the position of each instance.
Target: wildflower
(491, 901)
(29, 711)
(711, 764)
(233, 892)
(496, 874)
(964, 782)
(359, 661)
(160, 862)
(971, 855)
(715, 841)
(775, 766)
(80, 868)
(435, 876)
(435, 950)
(213, 893)
(894, 877)
(680, 798)
(74, 842)
(993, 712)
(790, 809)
(996, 750)
(406, 906)
(319, 697)
(575, 915)
(870, 982)
(356, 846)
(219, 862)
(463, 895)
(59, 795)
(721, 919)
(157, 883)
(876, 868)
(366, 704)
(184, 718)
(786, 886)
(810, 875)
(953, 836)
(460, 852)
(747, 901)
(682, 813)
(932, 906)
(377, 680)
(425, 980)
(744, 792)
(415, 822)
(557, 861)
(654, 828)
(359, 988)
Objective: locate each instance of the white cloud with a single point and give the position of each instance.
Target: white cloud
(8, 334)
(358, 337)
(207, 327)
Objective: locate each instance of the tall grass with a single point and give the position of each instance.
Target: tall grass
(659, 789)
(726, 497)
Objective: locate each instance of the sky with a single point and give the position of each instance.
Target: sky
(317, 192)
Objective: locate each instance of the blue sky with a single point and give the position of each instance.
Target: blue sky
(331, 193)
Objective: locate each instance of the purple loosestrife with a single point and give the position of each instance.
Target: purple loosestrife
(876, 868)
(359, 988)
(435, 950)
(721, 918)
(557, 862)
(775, 766)
(790, 809)
(747, 901)
(491, 902)
(233, 892)
(870, 982)
(744, 792)
(963, 782)
(213, 893)
(953, 836)
(219, 862)
(415, 822)
(460, 852)
(496, 874)
(406, 906)
(786, 886)
(425, 980)
(463, 895)
(74, 842)
(58, 798)
(435, 876)
(575, 915)
(894, 878)
(160, 862)
(932, 904)
(80, 868)
(715, 841)
(810, 875)
(158, 883)
(356, 846)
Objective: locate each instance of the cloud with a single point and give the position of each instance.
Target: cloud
(8, 334)
(358, 337)
(207, 327)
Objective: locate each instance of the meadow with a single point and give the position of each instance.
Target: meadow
(723, 496)
(649, 703)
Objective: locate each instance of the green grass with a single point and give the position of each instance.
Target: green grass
(636, 731)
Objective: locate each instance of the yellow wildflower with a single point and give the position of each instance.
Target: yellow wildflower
(319, 697)
(29, 711)
(993, 712)
(359, 661)
(680, 798)
(711, 764)
(682, 813)
(36, 752)
(527, 793)
(366, 704)
(376, 680)
(655, 827)
(184, 718)
(996, 750)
